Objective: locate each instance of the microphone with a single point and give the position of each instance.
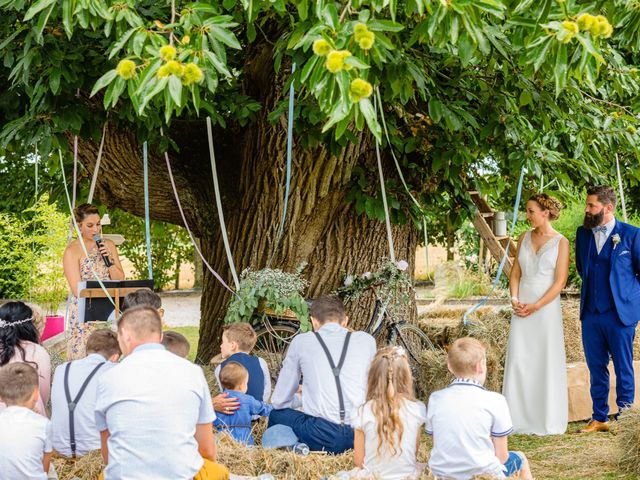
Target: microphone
(100, 244)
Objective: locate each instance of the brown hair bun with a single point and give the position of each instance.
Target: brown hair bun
(547, 202)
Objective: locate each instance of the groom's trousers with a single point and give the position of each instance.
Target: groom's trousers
(603, 335)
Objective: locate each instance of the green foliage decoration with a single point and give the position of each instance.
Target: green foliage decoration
(270, 291)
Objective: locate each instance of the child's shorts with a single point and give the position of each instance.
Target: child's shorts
(513, 464)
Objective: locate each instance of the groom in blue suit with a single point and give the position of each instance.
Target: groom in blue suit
(608, 261)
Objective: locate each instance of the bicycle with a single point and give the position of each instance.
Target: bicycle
(276, 332)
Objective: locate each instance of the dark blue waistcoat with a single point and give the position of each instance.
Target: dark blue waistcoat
(256, 377)
(600, 298)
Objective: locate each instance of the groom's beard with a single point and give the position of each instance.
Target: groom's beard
(592, 221)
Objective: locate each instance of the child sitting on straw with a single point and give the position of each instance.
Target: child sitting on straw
(154, 409)
(388, 426)
(176, 343)
(235, 379)
(238, 339)
(25, 436)
(77, 382)
(469, 424)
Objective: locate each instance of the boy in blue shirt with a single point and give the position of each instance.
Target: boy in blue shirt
(234, 379)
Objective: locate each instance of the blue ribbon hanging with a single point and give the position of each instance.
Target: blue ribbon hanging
(147, 221)
(289, 160)
(514, 219)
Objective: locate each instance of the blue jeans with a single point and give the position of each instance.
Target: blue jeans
(317, 433)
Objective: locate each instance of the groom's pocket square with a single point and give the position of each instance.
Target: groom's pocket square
(624, 252)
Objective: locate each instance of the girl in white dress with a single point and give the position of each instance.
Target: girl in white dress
(535, 378)
(387, 428)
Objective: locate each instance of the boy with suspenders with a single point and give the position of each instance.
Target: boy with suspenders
(73, 396)
(333, 364)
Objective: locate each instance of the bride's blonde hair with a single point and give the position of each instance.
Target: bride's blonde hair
(547, 202)
(390, 383)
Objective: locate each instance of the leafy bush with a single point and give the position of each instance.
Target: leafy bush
(15, 258)
(31, 249)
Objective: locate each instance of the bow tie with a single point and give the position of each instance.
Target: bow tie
(602, 228)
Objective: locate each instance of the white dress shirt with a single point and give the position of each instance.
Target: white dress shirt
(462, 419)
(306, 359)
(601, 237)
(151, 403)
(86, 433)
(25, 437)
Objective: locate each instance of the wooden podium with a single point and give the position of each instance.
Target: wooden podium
(94, 304)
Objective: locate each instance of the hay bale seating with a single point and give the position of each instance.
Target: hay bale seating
(490, 325)
(627, 430)
(443, 325)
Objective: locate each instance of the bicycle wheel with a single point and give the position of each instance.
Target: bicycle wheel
(412, 338)
(273, 341)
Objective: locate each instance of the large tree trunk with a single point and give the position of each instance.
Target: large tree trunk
(320, 228)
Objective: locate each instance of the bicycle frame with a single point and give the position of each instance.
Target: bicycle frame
(376, 322)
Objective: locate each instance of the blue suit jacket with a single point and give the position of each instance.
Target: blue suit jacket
(625, 268)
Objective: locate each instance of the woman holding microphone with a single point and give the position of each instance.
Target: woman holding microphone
(79, 267)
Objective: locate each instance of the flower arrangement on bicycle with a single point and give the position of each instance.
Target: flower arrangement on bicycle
(270, 292)
(391, 284)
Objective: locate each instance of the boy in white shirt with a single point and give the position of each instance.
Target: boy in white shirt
(25, 436)
(68, 381)
(469, 424)
(154, 410)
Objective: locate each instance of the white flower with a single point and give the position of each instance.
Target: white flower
(616, 240)
(366, 275)
(402, 265)
(348, 280)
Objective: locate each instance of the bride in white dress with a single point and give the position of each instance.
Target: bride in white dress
(535, 377)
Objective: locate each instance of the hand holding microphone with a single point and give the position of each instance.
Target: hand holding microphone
(104, 252)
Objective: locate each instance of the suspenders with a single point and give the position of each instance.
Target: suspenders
(72, 404)
(336, 370)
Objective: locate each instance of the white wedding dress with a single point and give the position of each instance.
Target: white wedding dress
(535, 376)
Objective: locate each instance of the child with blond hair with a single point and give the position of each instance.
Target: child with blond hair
(388, 426)
(238, 339)
(470, 424)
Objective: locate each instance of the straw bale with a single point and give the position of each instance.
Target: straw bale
(627, 429)
(573, 332)
(433, 374)
(490, 325)
(83, 468)
(283, 464)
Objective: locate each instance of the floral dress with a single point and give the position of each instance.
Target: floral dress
(79, 332)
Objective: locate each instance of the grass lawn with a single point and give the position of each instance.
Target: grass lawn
(571, 456)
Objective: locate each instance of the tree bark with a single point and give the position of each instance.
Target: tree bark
(319, 228)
